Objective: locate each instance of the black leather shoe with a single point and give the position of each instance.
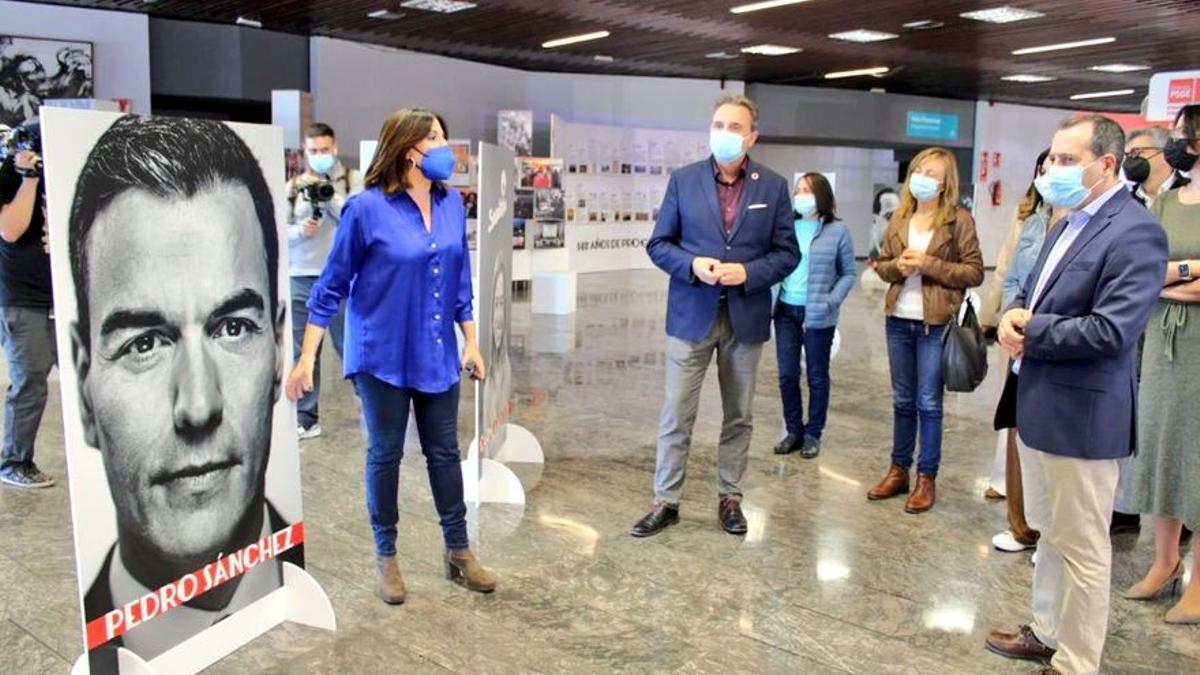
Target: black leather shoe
(660, 518)
(729, 511)
(789, 444)
(811, 448)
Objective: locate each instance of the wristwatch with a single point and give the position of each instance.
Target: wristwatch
(1185, 271)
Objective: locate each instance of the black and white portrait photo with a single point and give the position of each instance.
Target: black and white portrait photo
(173, 327)
(34, 70)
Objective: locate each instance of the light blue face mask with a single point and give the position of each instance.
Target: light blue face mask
(922, 187)
(1062, 186)
(321, 164)
(805, 205)
(726, 146)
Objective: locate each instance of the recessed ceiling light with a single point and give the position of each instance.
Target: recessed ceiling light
(441, 6)
(248, 22)
(1064, 45)
(1119, 68)
(1102, 94)
(1028, 79)
(879, 70)
(384, 14)
(770, 50)
(862, 35)
(575, 39)
(601, 58)
(1004, 14)
(769, 4)
(720, 55)
(924, 24)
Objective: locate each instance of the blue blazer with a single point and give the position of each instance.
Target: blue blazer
(690, 226)
(1076, 395)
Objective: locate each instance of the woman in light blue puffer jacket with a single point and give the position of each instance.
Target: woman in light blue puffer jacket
(807, 310)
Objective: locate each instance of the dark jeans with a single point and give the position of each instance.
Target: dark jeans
(28, 338)
(790, 337)
(915, 357)
(307, 413)
(385, 411)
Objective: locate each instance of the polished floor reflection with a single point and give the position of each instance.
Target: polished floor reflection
(824, 582)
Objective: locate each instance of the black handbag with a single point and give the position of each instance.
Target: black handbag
(964, 353)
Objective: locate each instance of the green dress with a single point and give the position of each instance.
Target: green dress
(1165, 478)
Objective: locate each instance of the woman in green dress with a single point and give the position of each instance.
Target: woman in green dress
(1166, 472)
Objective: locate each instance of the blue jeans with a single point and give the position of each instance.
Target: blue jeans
(790, 336)
(915, 357)
(27, 335)
(307, 413)
(385, 411)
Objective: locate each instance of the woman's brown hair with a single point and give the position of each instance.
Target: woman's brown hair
(401, 132)
(947, 200)
(823, 193)
(1033, 199)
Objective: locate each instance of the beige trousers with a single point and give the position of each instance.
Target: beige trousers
(1070, 500)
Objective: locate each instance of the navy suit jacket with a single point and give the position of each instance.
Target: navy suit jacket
(1076, 395)
(763, 239)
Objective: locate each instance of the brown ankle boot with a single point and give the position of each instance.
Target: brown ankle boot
(924, 496)
(463, 569)
(389, 585)
(894, 483)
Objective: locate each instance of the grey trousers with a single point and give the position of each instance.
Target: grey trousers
(28, 338)
(687, 362)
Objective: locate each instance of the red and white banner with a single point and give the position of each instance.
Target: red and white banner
(190, 586)
(1171, 91)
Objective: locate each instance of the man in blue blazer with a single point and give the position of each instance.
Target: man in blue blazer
(1073, 334)
(725, 235)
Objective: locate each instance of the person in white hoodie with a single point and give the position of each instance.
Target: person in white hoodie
(315, 198)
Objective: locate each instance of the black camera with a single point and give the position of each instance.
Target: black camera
(27, 137)
(315, 194)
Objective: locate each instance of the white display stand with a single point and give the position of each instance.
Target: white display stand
(493, 480)
(554, 292)
(300, 600)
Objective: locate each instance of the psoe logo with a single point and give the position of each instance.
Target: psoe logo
(1181, 91)
(497, 211)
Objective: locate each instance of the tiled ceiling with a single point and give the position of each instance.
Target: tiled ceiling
(959, 58)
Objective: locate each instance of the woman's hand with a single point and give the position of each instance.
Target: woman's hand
(472, 361)
(300, 380)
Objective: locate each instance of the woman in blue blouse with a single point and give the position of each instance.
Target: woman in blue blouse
(807, 312)
(400, 259)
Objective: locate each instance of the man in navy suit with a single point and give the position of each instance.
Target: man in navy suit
(725, 235)
(1073, 334)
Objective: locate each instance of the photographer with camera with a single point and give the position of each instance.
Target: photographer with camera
(316, 199)
(26, 311)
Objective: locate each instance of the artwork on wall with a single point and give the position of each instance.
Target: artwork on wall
(33, 70)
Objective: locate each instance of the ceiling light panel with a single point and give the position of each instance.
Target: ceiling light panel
(759, 6)
(863, 36)
(770, 50)
(1003, 14)
(1028, 79)
(440, 6)
(1064, 45)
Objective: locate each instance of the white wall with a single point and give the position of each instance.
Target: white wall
(355, 86)
(1019, 133)
(857, 171)
(120, 43)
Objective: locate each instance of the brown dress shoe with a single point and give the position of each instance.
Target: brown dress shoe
(922, 499)
(389, 585)
(463, 569)
(894, 483)
(1022, 644)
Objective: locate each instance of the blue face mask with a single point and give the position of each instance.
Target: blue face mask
(321, 164)
(438, 163)
(805, 205)
(1062, 186)
(922, 187)
(726, 146)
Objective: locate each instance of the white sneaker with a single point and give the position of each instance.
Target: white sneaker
(311, 432)
(1005, 541)
(1033, 559)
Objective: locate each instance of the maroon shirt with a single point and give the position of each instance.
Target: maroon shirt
(729, 195)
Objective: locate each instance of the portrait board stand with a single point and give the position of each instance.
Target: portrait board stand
(70, 137)
(499, 446)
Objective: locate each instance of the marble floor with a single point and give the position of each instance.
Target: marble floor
(825, 582)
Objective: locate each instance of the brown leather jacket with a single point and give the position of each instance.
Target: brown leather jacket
(953, 263)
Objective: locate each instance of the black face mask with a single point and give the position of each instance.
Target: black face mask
(1177, 155)
(1137, 169)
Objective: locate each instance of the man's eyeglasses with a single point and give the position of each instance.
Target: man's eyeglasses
(1145, 153)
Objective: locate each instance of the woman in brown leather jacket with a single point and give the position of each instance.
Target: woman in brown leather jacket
(930, 256)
